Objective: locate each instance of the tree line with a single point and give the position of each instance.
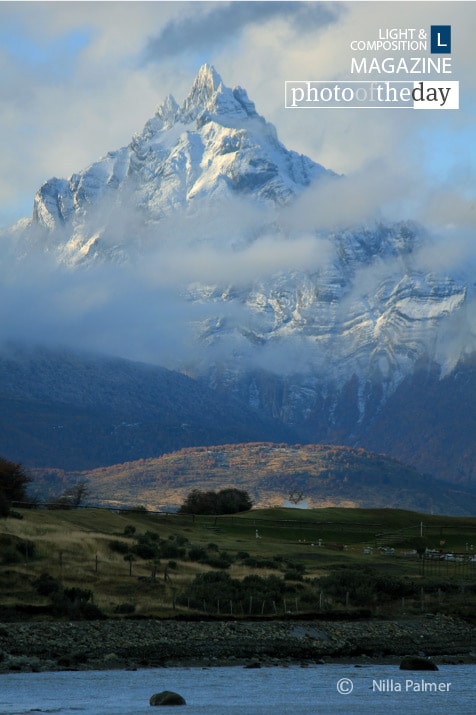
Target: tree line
(14, 482)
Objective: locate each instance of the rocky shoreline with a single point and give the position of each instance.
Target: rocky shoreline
(35, 646)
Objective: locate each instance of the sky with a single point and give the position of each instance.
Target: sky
(78, 79)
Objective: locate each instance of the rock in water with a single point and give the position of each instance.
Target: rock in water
(416, 662)
(167, 697)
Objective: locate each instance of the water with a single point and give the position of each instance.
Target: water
(238, 691)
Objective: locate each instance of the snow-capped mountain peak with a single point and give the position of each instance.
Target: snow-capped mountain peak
(215, 143)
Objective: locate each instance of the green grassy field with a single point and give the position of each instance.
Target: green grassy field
(300, 547)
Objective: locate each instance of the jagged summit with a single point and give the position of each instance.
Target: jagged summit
(210, 100)
(213, 145)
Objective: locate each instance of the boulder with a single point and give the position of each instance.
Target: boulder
(253, 663)
(167, 697)
(416, 662)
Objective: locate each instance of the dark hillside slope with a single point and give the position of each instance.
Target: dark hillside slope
(71, 411)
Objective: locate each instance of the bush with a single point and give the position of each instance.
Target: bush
(262, 589)
(148, 546)
(76, 603)
(125, 608)
(226, 501)
(197, 553)
(216, 562)
(119, 547)
(258, 563)
(46, 584)
(169, 550)
(129, 530)
(211, 587)
(145, 550)
(294, 571)
(150, 536)
(365, 585)
(218, 586)
(180, 540)
(251, 562)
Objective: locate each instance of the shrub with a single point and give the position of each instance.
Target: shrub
(180, 540)
(119, 547)
(216, 562)
(226, 501)
(129, 530)
(212, 586)
(76, 603)
(46, 584)
(125, 608)
(262, 589)
(145, 550)
(364, 585)
(150, 536)
(197, 553)
(169, 550)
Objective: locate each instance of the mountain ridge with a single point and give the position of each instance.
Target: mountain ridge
(72, 411)
(325, 475)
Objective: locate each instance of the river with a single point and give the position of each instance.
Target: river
(328, 689)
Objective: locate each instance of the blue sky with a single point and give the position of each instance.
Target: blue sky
(78, 79)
